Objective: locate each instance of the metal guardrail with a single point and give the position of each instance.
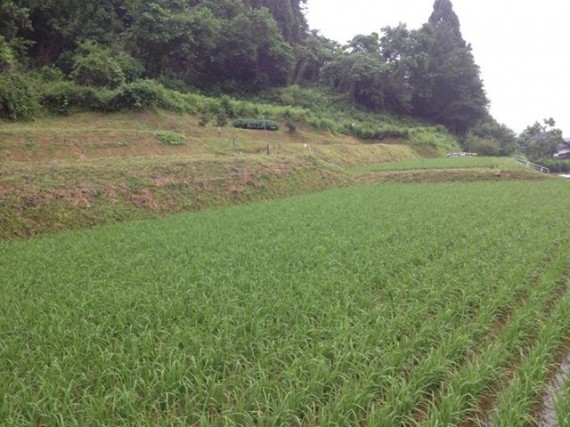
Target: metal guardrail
(525, 163)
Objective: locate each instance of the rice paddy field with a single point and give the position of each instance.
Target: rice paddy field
(383, 305)
(441, 163)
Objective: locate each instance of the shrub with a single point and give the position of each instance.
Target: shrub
(139, 95)
(556, 165)
(228, 107)
(221, 118)
(171, 138)
(482, 146)
(94, 65)
(7, 59)
(256, 124)
(18, 100)
(51, 74)
(291, 126)
(64, 97)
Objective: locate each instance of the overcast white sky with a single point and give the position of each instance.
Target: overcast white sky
(521, 46)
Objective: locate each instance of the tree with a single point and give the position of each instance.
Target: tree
(491, 138)
(540, 141)
(289, 17)
(311, 56)
(174, 40)
(252, 52)
(362, 76)
(453, 93)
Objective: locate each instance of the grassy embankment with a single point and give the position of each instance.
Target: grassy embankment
(91, 168)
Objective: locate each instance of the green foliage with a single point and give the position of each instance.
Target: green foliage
(291, 126)
(438, 163)
(482, 146)
(95, 65)
(540, 140)
(555, 165)
(18, 98)
(362, 76)
(139, 95)
(258, 124)
(491, 139)
(327, 290)
(7, 60)
(252, 52)
(387, 132)
(65, 97)
(450, 90)
(171, 138)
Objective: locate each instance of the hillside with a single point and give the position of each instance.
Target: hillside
(90, 169)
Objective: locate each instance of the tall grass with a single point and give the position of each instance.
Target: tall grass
(315, 310)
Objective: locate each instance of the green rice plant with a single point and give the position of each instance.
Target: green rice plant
(516, 402)
(467, 384)
(440, 163)
(313, 310)
(562, 405)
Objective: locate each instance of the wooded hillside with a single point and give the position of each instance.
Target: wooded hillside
(235, 47)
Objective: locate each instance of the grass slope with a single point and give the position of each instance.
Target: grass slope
(344, 307)
(89, 169)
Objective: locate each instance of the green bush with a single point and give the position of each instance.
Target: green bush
(555, 165)
(7, 59)
(171, 138)
(139, 95)
(65, 97)
(386, 132)
(95, 65)
(482, 146)
(256, 124)
(18, 98)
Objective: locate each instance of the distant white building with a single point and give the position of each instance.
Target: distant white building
(563, 150)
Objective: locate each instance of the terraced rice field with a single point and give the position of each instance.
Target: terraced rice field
(396, 304)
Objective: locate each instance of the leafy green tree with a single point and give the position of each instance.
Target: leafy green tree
(452, 91)
(361, 43)
(252, 52)
(311, 56)
(362, 76)
(491, 138)
(57, 26)
(172, 39)
(289, 17)
(14, 19)
(405, 52)
(540, 141)
(95, 65)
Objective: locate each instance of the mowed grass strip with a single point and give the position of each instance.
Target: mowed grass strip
(262, 314)
(440, 163)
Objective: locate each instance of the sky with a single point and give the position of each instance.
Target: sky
(521, 46)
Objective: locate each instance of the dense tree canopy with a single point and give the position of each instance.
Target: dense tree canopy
(243, 46)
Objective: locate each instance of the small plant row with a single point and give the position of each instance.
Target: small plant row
(256, 124)
(338, 308)
(516, 403)
(471, 381)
